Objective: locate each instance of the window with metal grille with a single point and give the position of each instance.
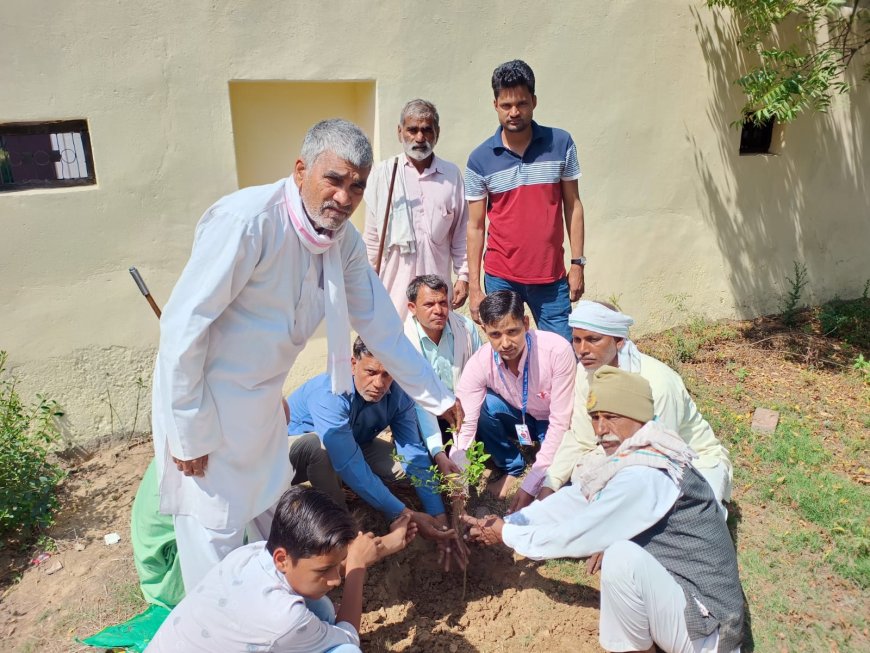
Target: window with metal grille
(45, 155)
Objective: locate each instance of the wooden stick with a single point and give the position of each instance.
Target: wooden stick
(386, 217)
(144, 290)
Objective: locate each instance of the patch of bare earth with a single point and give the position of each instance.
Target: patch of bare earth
(410, 604)
(85, 585)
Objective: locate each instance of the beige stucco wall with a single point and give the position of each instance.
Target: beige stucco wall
(644, 87)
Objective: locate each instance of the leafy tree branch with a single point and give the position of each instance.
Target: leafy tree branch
(825, 36)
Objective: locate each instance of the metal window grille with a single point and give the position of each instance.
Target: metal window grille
(45, 155)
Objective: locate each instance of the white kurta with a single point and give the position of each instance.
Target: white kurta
(566, 525)
(245, 305)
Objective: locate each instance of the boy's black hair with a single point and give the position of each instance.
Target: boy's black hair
(309, 523)
(512, 74)
(431, 281)
(499, 304)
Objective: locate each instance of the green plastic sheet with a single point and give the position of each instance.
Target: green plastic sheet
(155, 553)
(132, 635)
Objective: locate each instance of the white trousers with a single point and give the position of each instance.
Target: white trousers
(642, 604)
(201, 548)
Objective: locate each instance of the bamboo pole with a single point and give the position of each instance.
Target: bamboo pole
(386, 217)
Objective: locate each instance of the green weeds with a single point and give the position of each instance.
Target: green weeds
(847, 320)
(27, 476)
(790, 301)
(862, 365)
(792, 468)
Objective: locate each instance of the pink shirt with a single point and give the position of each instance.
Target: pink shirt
(552, 367)
(440, 216)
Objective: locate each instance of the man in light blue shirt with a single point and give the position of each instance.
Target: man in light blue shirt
(447, 340)
(348, 426)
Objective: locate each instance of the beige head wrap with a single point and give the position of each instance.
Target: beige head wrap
(622, 393)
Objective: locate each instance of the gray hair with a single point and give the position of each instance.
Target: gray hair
(342, 138)
(419, 109)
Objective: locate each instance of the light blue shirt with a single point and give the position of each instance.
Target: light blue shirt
(440, 357)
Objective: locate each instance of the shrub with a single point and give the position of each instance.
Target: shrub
(848, 320)
(791, 299)
(28, 477)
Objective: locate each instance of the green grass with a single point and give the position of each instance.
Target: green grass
(682, 344)
(791, 468)
(566, 569)
(801, 525)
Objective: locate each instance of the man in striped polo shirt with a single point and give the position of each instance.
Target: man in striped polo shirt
(525, 179)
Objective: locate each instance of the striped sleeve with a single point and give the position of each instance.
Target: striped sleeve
(475, 185)
(572, 166)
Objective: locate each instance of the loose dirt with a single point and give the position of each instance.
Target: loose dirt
(411, 605)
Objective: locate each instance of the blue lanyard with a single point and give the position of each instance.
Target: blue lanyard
(495, 357)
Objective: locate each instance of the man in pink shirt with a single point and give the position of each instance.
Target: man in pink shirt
(428, 212)
(517, 392)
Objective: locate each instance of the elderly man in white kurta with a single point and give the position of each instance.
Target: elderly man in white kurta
(600, 337)
(428, 214)
(669, 576)
(267, 264)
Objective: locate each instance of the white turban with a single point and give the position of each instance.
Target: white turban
(596, 317)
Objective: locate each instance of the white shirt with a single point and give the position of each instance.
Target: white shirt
(566, 525)
(246, 604)
(245, 305)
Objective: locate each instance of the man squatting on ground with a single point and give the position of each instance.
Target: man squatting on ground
(517, 391)
(525, 179)
(267, 264)
(669, 570)
(348, 425)
(426, 230)
(447, 340)
(271, 596)
(600, 337)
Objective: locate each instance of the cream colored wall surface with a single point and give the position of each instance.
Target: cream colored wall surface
(644, 88)
(270, 120)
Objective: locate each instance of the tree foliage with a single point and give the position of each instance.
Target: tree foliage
(803, 49)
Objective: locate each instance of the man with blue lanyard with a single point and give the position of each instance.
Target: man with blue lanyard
(348, 425)
(517, 391)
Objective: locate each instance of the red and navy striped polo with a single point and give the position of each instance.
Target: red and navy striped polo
(524, 193)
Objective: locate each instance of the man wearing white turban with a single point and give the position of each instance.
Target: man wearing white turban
(600, 337)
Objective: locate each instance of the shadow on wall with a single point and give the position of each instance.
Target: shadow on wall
(809, 203)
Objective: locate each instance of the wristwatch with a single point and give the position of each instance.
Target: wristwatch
(578, 261)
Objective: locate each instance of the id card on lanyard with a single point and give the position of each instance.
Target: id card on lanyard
(523, 434)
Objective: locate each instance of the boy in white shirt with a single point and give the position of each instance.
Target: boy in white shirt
(271, 596)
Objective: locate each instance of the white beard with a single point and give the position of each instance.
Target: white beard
(417, 154)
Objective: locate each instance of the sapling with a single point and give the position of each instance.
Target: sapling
(457, 487)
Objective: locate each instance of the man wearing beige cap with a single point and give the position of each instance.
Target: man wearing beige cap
(668, 570)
